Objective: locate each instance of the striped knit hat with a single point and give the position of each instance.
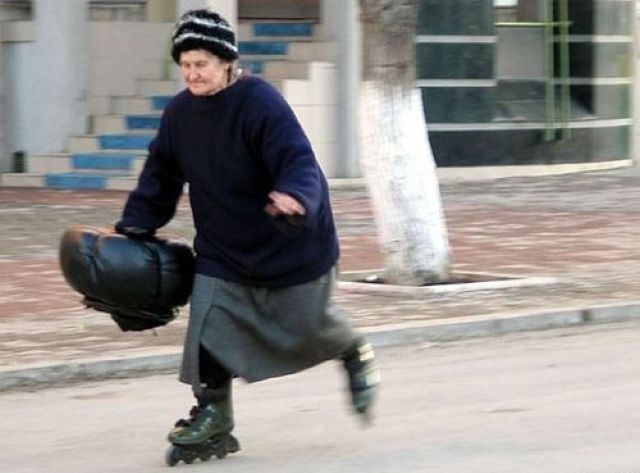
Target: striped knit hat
(203, 29)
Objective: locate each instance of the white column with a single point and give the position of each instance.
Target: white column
(346, 25)
(5, 158)
(635, 135)
(58, 74)
(329, 11)
(228, 9)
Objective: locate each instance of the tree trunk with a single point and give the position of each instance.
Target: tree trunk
(397, 160)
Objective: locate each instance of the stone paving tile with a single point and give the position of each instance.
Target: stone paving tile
(583, 229)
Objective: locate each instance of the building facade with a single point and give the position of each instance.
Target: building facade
(504, 82)
(528, 81)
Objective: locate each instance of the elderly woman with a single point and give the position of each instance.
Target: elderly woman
(266, 245)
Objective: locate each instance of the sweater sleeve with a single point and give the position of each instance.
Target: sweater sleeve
(287, 153)
(153, 202)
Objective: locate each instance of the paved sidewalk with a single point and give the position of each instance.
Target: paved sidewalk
(581, 229)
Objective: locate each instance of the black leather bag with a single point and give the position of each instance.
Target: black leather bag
(140, 282)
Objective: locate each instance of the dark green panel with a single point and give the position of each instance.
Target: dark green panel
(524, 101)
(520, 89)
(458, 104)
(601, 17)
(600, 59)
(456, 17)
(516, 147)
(455, 60)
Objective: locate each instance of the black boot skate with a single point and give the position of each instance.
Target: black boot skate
(364, 378)
(207, 432)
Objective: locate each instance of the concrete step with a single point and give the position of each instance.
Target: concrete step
(128, 105)
(129, 163)
(83, 144)
(103, 124)
(88, 181)
(263, 48)
(22, 179)
(285, 31)
(282, 70)
(109, 124)
(113, 156)
(143, 122)
(128, 141)
(101, 181)
(154, 87)
(316, 88)
(120, 162)
(255, 66)
(292, 66)
(69, 181)
(316, 51)
(253, 58)
(132, 142)
(44, 163)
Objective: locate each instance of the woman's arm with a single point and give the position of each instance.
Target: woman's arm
(153, 202)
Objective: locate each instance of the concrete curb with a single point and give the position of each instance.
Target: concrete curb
(444, 330)
(441, 330)
(484, 173)
(493, 281)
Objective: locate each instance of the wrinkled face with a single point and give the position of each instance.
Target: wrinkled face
(203, 72)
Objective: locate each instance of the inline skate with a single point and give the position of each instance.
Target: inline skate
(207, 432)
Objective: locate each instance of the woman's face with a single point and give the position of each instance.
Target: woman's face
(203, 72)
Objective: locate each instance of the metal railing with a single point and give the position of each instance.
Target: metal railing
(114, 8)
(549, 26)
(118, 9)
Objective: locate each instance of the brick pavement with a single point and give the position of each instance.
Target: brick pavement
(581, 228)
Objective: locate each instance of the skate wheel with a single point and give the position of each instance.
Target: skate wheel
(205, 457)
(233, 445)
(221, 455)
(170, 457)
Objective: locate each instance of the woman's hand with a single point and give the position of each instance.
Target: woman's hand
(283, 205)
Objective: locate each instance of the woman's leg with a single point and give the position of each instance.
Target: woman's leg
(364, 377)
(214, 413)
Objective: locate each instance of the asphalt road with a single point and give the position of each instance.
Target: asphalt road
(562, 401)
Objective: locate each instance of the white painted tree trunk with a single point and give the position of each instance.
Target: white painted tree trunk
(397, 159)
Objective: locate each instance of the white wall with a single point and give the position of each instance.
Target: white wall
(120, 53)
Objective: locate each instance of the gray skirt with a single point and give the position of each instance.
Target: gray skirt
(260, 333)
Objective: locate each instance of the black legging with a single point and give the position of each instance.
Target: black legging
(212, 373)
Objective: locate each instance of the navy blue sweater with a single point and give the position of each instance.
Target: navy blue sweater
(233, 148)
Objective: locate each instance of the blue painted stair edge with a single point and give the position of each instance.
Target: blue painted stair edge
(142, 122)
(255, 67)
(104, 161)
(283, 29)
(124, 141)
(266, 48)
(159, 102)
(70, 180)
